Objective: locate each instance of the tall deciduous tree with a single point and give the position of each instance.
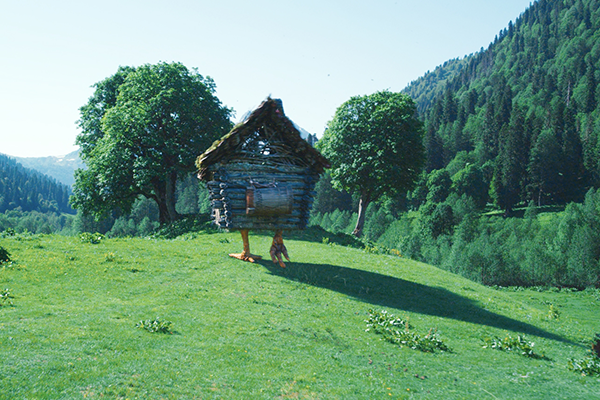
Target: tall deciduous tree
(375, 146)
(140, 132)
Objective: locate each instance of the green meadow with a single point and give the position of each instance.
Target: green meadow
(70, 328)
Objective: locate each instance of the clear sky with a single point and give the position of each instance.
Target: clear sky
(313, 54)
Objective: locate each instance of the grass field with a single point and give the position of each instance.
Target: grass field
(256, 331)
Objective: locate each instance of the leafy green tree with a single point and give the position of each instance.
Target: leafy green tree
(438, 186)
(375, 146)
(438, 219)
(140, 133)
(418, 195)
(103, 99)
(470, 181)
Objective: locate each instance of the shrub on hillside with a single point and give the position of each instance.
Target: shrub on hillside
(4, 255)
(6, 297)
(590, 364)
(399, 331)
(518, 345)
(187, 224)
(93, 238)
(156, 325)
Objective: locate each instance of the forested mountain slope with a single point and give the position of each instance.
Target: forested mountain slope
(60, 168)
(431, 85)
(523, 115)
(30, 190)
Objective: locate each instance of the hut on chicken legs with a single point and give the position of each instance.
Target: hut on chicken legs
(261, 176)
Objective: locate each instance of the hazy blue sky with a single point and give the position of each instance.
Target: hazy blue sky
(314, 55)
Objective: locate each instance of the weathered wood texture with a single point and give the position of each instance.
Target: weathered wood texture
(229, 190)
(262, 174)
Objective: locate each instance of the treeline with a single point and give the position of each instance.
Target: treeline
(192, 199)
(538, 247)
(522, 115)
(28, 190)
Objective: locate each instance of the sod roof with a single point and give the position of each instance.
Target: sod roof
(268, 126)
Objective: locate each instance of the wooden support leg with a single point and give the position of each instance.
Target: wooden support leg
(278, 248)
(245, 254)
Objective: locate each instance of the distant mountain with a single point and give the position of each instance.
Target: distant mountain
(60, 168)
(306, 135)
(29, 190)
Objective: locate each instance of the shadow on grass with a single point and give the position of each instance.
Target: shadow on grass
(388, 291)
(316, 234)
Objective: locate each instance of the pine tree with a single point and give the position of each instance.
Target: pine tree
(590, 93)
(509, 174)
(450, 108)
(543, 169)
(572, 169)
(434, 150)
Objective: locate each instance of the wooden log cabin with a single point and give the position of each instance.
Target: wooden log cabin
(261, 176)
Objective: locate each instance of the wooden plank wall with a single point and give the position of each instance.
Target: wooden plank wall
(228, 195)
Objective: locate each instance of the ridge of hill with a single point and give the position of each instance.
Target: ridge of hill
(61, 168)
(425, 89)
(29, 190)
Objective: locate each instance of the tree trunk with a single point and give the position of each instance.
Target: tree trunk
(165, 199)
(171, 185)
(365, 200)
(163, 213)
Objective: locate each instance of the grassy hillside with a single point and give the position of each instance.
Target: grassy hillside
(243, 330)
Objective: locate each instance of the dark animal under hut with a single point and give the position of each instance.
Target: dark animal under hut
(261, 176)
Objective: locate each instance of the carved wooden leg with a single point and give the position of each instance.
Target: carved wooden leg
(278, 248)
(245, 254)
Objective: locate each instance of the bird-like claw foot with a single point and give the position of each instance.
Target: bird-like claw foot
(277, 249)
(246, 257)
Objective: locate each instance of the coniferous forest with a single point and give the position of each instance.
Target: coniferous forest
(524, 112)
(27, 190)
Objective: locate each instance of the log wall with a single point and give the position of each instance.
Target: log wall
(228, 195)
